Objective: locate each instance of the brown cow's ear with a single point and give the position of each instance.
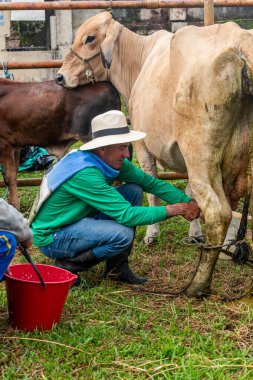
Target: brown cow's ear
(106, 48)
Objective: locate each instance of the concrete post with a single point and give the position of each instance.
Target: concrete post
(5, 17)
(53, 32)
(64, 29)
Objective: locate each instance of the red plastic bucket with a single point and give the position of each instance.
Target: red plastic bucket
(30, 305)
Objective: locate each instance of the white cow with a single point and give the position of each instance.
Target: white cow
(192, 94)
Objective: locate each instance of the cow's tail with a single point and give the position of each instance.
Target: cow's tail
(242, 248)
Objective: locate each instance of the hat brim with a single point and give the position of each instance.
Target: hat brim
(113, 139)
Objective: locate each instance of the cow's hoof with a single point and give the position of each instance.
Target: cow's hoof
(198, 293)
(195, 239)
(150, 240)
(223, 256)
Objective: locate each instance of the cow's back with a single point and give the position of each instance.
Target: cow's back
(82, 110)
(45, 114)
(198, 84)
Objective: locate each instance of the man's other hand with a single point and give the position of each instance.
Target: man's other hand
(189, 211)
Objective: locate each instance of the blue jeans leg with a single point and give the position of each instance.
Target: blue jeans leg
(104, 236)
(8, 246)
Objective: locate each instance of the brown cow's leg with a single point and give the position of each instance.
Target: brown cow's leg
(17, 159)
(7, 161)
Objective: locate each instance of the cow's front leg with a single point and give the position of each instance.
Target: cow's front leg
(148, 164)
(7, 160)
(152, 230)
(195, 232)
(217, 213)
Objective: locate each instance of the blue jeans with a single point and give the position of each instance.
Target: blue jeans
(104, 236)
(8, 246)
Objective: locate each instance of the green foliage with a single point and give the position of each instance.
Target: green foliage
(244, 23)
(31, 33)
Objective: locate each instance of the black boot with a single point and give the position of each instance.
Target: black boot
(80, 263)
(117, 268)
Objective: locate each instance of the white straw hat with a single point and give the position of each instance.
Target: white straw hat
(111, 128)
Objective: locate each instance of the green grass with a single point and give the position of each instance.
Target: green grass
(114, 331)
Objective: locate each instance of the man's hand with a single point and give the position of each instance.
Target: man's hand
(26, 245)
(189, 211)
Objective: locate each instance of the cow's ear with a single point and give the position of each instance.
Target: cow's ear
(112, 32)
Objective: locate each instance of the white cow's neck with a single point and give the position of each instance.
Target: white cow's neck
(129, 55)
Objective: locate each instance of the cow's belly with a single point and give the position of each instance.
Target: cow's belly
(168, 154)
(150, 110)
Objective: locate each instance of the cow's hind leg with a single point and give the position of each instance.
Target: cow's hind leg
(148, 164)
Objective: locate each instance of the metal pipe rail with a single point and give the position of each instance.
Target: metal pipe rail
(207, 4)
(119, 4)
(24, 182)
(34, 64)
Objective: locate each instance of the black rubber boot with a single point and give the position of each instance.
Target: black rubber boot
(80, 263)
(117, 268)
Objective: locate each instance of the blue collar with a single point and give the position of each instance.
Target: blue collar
(75, 161)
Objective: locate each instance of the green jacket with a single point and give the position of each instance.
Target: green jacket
(88, 191)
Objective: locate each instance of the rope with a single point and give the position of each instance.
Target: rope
(239, 256)
(171, 293)
(110, 7)
(225, 298)
(242, 259)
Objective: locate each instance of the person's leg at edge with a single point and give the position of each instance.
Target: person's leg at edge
(8, 246)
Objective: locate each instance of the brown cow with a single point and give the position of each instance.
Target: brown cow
(47, 115)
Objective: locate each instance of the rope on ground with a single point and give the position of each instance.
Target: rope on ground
(171, 293)
(239, 256)
(192, 241)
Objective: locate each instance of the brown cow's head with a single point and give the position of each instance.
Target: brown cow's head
(91, 53)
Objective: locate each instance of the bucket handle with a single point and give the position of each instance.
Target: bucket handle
(29, 259)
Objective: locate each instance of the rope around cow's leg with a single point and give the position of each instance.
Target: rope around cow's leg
(239, 256)
(168, 292)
